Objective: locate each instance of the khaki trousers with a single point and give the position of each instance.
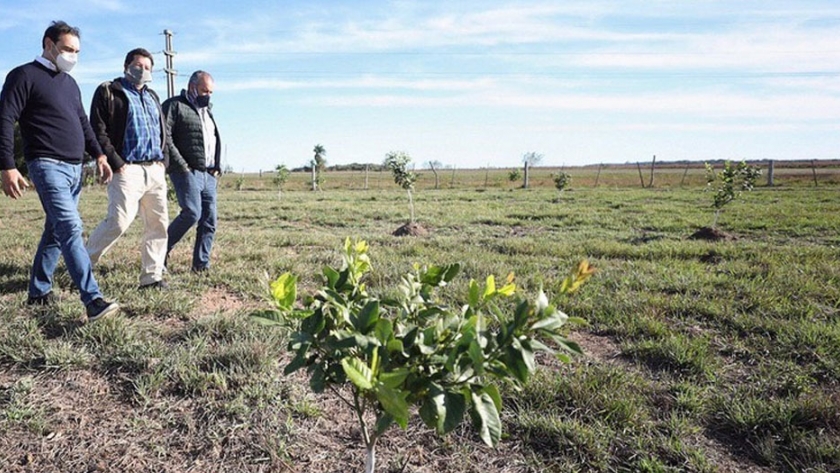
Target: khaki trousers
(136, 189)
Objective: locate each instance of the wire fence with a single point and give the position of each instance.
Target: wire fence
(647, 175)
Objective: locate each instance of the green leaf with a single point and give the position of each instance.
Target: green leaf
(384, 331)
(383, 422)
(317, 379)
(475, 294)
(433, 409)
(440, 275)
(284, 291)
(298, 362)
(432, 276)
(451, 271)
(550, 323)
(477, 356)
(366, 318)
(490, 287)
(393, 401)
(486, 419)
(394, 379)
(493, 392)
(395, 346)
(516, 362)
(358, 373)
(331, 275)
(568, 345)
(268, 317)
(456, 406)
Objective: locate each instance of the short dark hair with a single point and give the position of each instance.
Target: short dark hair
(197, 76)
(56, 30)
(137, 52)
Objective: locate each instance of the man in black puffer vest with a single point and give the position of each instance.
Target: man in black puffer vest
(194, 147)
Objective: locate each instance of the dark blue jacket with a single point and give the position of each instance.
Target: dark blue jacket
(48, 107)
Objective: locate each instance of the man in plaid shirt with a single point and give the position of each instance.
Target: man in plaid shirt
(126, 116)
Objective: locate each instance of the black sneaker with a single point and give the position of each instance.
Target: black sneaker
(100, 308)
(48, 299)
(159, 285)
(200, 270)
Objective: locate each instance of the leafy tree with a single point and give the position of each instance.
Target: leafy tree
(562, 180)
(281, 175)
(319, 165)
(411, 350)
(729, 183)
(397, 162)
(514, 175)
(530, 159)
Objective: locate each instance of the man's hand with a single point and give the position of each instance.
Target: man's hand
(105, 173)
(13, 183)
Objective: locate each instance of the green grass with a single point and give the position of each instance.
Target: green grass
(732, 346)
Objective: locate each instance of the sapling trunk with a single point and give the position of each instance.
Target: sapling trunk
(714, 221)
(411, 205)
(370, 461)
(359, 404)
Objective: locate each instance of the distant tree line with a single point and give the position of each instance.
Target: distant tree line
(344, 167)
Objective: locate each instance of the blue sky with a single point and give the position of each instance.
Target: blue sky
(479, 83)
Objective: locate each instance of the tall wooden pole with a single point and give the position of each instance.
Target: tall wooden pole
(169, 69)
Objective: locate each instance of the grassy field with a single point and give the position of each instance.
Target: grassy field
(700, 356)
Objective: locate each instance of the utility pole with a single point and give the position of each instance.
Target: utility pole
(170, 65)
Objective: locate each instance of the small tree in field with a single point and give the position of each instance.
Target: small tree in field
(319, 165)
(514, 175)
(562, 181)
(530, 159)
(281, 175)
(411, 350)
(397, 162)
(729, 183)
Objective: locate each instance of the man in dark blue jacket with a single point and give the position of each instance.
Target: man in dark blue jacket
(45, 101)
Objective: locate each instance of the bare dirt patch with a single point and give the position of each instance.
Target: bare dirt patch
(597, 347)
(712, 234)
(411, 229)
(220, 299)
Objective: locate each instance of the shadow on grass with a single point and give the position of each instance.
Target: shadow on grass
(18, 278)
(54, 325)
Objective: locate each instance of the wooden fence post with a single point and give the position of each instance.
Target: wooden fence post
(525, 185)
(597, 176)
(641, 178)
(814, 170)
(771, 167)
(652, 166)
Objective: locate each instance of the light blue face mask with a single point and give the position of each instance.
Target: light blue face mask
(138, 75)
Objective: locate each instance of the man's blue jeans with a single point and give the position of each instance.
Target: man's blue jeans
(59, 185)
(196, 191)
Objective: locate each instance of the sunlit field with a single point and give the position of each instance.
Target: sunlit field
(699, 356)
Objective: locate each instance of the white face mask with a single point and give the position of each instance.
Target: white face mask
(65, 61)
